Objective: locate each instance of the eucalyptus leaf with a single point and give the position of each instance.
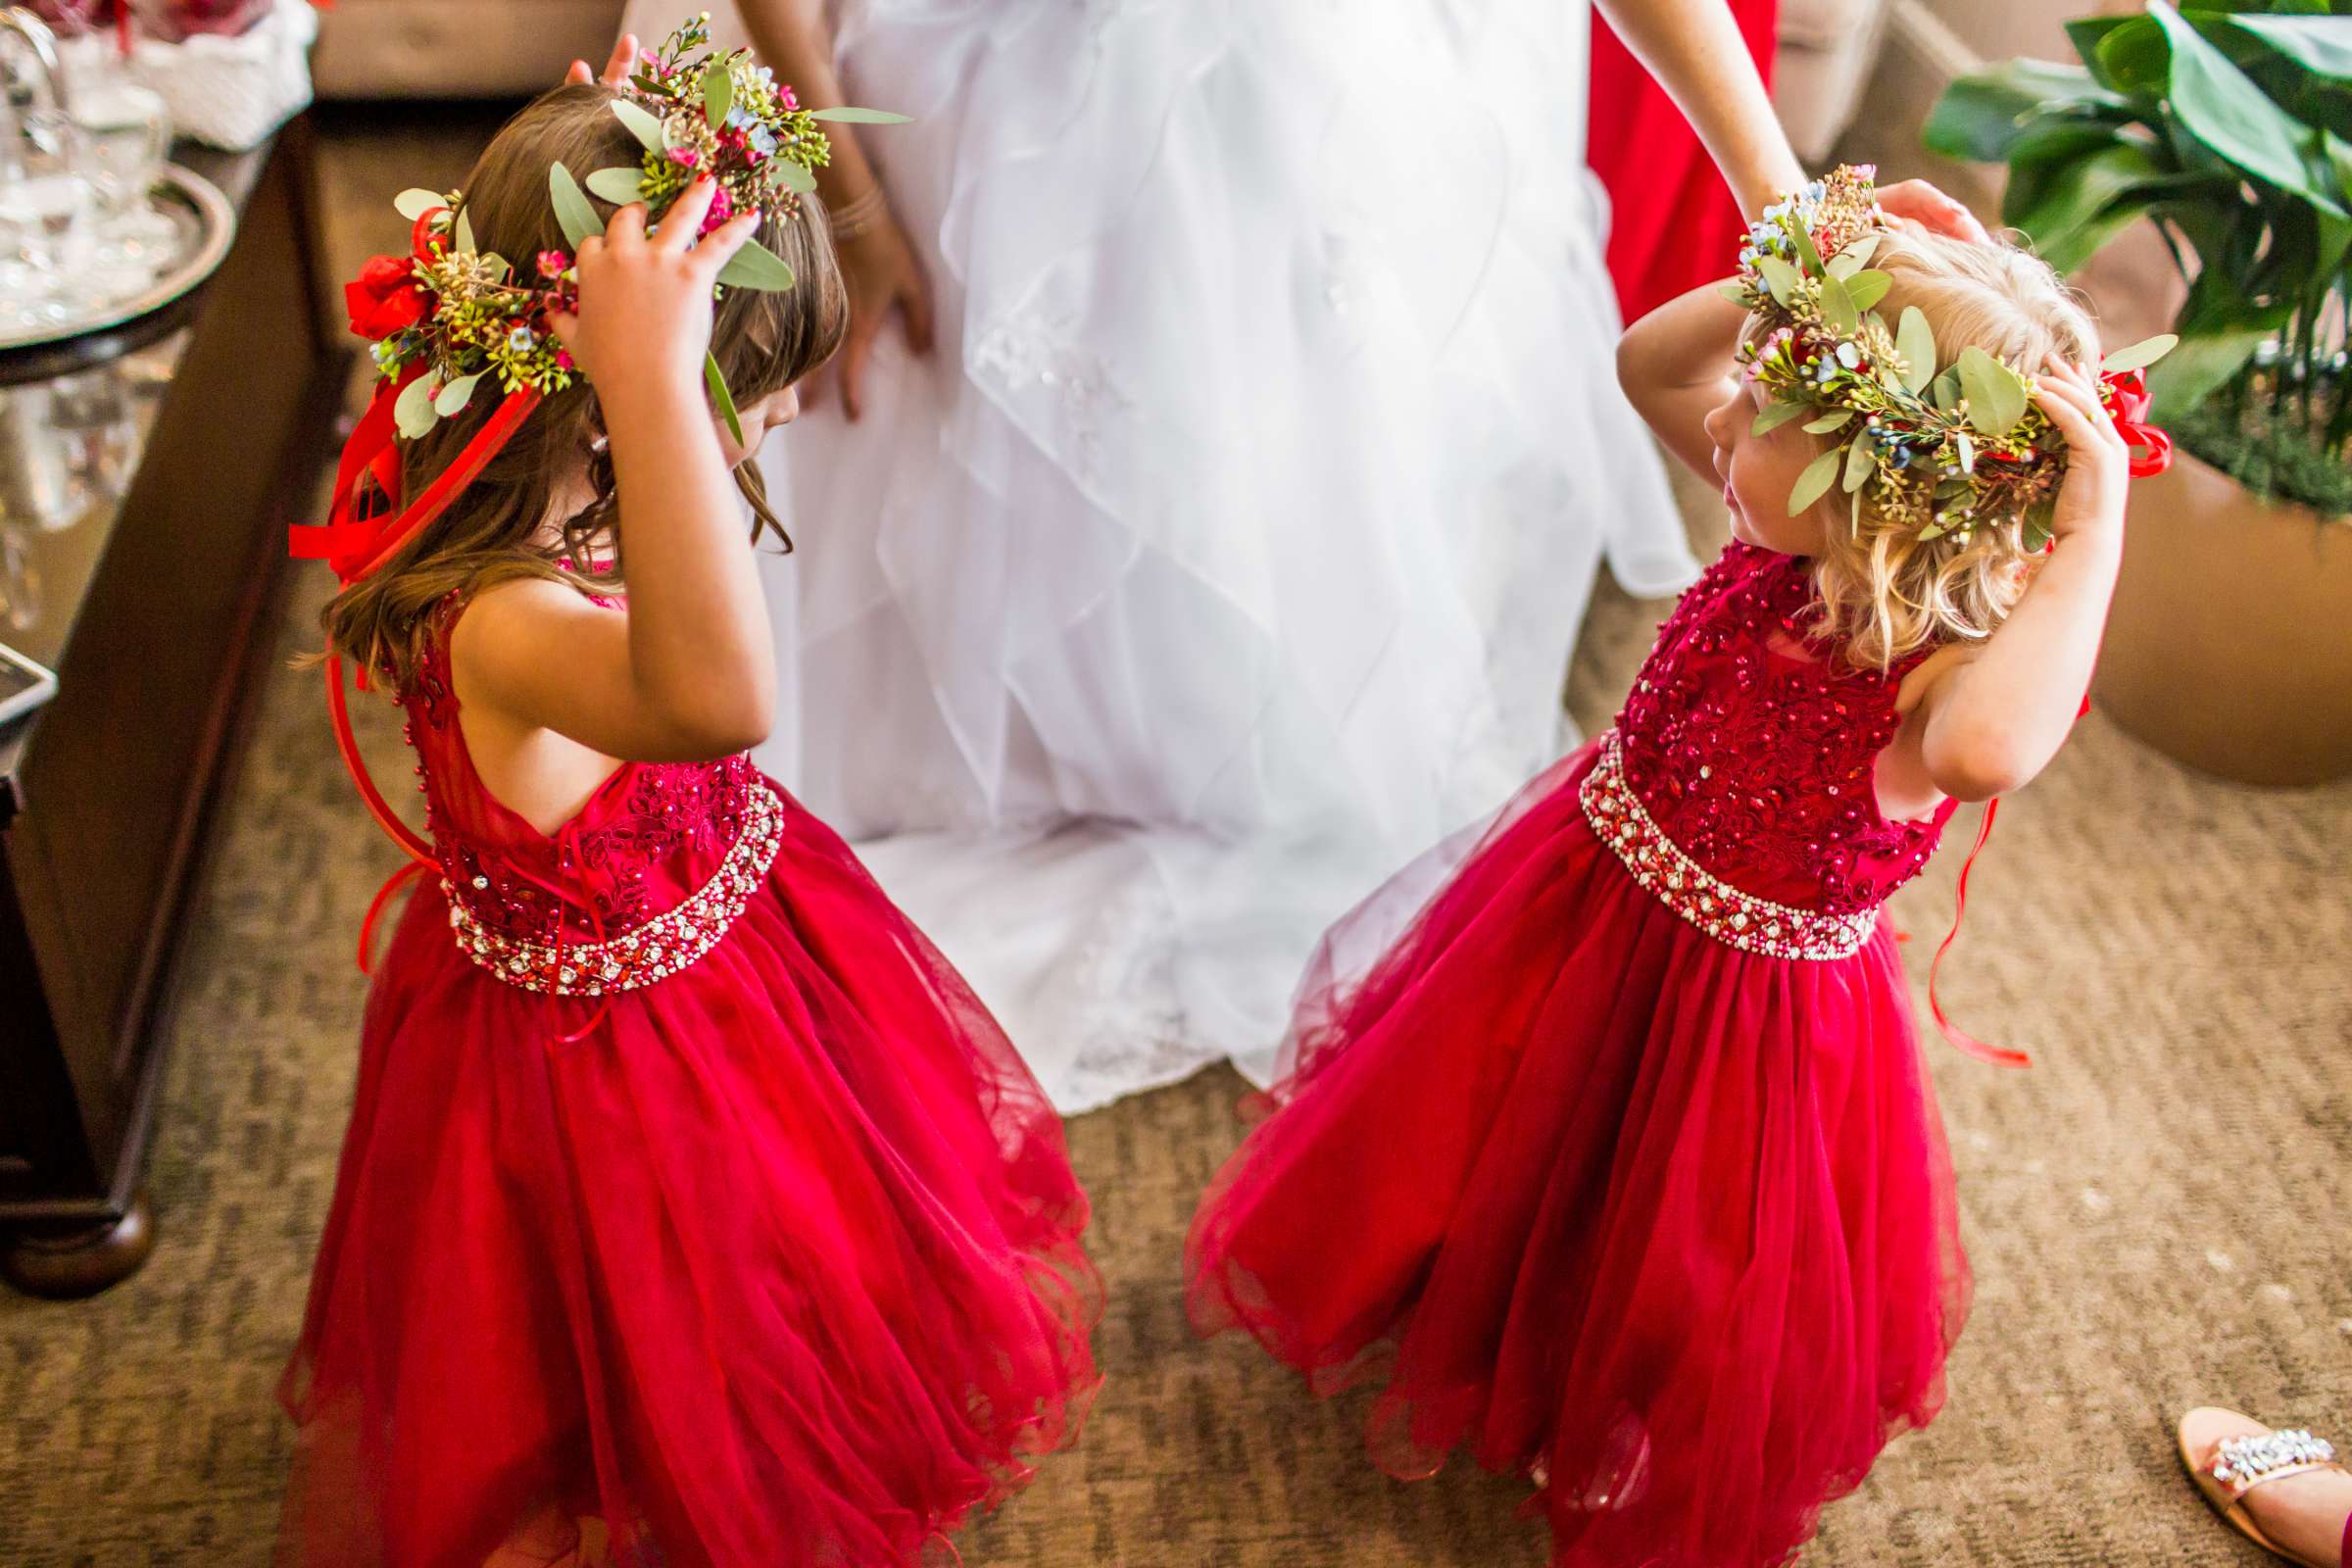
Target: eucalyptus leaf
(1996, 394)
(413, 410)
(455, 396)
(1861, 251)
(414, 202)
(573, 212)
(1815, 481)
(1780, 278)
(620, 184)
(846, 116)
(1867, 288)
(463, 231)
(1944, 390)
(1836, 418)
(1967, 451)
(1737, 293)
(2136, 356)
(722, 399)
(1806, 253)
(793, 176)
(1837, 307)
(756, 267)
(1842, 267)
(1860, 459)
(719, 93)
(641, 124)
(1914, 341)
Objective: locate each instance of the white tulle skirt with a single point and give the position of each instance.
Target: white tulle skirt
(1230, 548)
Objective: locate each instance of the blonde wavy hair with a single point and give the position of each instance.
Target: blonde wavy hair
(1889, 594)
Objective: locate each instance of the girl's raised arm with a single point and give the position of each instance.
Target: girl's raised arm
(1995, 720)
(689, 673)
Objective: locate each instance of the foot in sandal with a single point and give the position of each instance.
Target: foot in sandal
(2282, 1488)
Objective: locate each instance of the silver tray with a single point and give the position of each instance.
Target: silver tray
(206, 222)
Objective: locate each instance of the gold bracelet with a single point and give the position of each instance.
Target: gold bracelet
(860, 214)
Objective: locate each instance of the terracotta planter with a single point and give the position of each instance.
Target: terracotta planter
(2229, 646)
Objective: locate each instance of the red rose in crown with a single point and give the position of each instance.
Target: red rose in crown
(385, 297)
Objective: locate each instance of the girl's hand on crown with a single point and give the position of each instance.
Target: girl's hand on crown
(2098, 464)
(645, 299)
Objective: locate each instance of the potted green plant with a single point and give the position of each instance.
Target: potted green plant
(2228, 127)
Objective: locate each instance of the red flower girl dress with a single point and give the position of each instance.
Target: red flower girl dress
(691, 1201)
(1621, 1166)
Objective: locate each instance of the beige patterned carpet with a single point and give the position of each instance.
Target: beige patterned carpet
(2157, 1212)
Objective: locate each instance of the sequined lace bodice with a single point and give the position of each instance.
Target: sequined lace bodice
(1754, 750)
(649, 838)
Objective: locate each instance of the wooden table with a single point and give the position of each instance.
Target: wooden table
(152, 612)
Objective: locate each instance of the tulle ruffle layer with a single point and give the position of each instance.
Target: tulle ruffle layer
(778, 1264)
(1666, 1226)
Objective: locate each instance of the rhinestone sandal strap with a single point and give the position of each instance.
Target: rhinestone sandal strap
(2243, 1463)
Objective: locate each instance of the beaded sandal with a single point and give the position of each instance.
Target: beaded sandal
(2236, 1466)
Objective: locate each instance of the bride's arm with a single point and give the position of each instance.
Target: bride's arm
(794, 38)
(1694, 50)
(880, 267)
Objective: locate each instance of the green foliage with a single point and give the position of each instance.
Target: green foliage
(2229, 127)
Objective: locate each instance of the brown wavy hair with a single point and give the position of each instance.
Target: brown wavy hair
(501, 526)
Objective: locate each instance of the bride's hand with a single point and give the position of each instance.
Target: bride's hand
(883, 273)
(1918, 202)
(617, 69)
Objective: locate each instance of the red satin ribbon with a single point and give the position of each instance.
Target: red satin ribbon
(356, 546)
(1998, 1055)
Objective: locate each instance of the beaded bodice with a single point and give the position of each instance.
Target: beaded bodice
(1754, 750)
(647, 850)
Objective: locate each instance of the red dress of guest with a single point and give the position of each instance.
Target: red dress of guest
(1621, 1168)
(691, 1204)
(1671, 217)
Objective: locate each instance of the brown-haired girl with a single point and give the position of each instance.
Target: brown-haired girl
(692, 1211)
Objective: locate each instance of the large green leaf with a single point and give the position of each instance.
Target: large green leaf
(756, 267)
(2220, 329)
(2085, 35)
(2223, 107)
(1982, 113)
(2321, 44)
(2065, 196)
(2135, 59)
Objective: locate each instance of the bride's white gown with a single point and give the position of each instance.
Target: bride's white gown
(1230, 548)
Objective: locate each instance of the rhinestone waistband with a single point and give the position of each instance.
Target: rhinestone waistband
(1707, 902)
(656, 950)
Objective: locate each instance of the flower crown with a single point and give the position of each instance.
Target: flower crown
(1937, 450)
(454, 314)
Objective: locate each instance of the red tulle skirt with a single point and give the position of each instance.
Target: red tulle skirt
(778, 1266)
(1665, 1225)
